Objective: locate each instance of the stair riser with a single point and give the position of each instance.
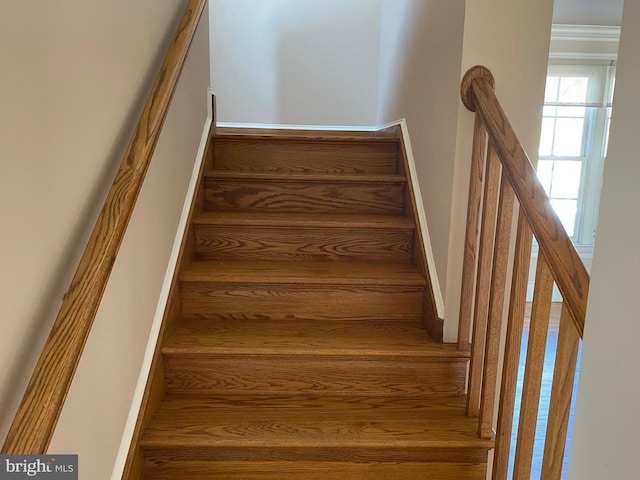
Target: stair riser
(262, 243)
(299, 374)
(160, 469)
(200, 300)
(303, 157)
(454, 456)
(301, 197)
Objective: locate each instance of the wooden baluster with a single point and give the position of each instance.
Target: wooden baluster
(481, 310)
(517, 303)
(471, 237)
(538, 329)
(560, 402)
(496, 308)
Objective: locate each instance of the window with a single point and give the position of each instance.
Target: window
(573, 143)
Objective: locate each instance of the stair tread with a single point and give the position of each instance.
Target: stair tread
(355, 136)
(304, 177)
(311, 220)
(307, 337)
(312, 422)
(314, 470)
(303, 272)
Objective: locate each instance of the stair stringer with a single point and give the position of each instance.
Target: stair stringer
(433, 305)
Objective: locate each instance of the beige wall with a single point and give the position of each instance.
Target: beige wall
(605, 433)
(74, 76)
(512, 39)
(311, 62)
(420, 54)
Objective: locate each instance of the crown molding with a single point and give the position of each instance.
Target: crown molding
(604, 57)
(586, 33)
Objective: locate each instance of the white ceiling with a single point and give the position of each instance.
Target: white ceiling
(588, 12)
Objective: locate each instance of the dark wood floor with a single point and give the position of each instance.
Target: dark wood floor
(545, 393)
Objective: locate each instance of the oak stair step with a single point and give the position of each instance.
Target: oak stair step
(306, 337)
(290, 236)
(295, 347)
(302, 290)
(305, 193)
(167, 469)
(303, 220)
(277, 428)
(303, 273)
(308, 357)
(320, 152)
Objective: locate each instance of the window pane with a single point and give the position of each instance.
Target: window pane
(551, 90)
(571, 111)
(568, 137)
(546, 137)
(573, 89)
(566, 179)
(566, 210)
(549, 111)
(545, 172)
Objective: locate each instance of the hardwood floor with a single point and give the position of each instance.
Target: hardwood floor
(545, 393)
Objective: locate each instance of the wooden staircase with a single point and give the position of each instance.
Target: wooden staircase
(295, 344)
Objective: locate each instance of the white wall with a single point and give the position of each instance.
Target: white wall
(295, 62)
(420, 54)
(605, 433)
(512, 40)
(75, 74)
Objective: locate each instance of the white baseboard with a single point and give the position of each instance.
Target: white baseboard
(277, 126)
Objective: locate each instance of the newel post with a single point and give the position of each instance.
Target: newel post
(466, 91)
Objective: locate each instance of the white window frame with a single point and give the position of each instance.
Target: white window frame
(602, 75)
(579, 44)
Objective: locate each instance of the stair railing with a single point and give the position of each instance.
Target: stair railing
(501, 178)
(37, 415)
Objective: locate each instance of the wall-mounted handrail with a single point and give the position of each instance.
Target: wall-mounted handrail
(37, 415)
(501, 173)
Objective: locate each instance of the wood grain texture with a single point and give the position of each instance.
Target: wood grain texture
(320, 302)
(199, 374)
(481, 309)
(312, 470)
(308, 337)
(303, 237)
(380, 195)
(560, 402)
(536, 347)
(496, 309)
(312, 424)
(557, 261)
(320, 153)
(474, 203)
(568, 270)
(517, 308)
(469, 454)
(302, 273)
(34, 423)
(301, 342)
(310, 290)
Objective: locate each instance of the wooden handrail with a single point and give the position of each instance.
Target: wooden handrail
(35, 421)
(569, 272)
(498, 152)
